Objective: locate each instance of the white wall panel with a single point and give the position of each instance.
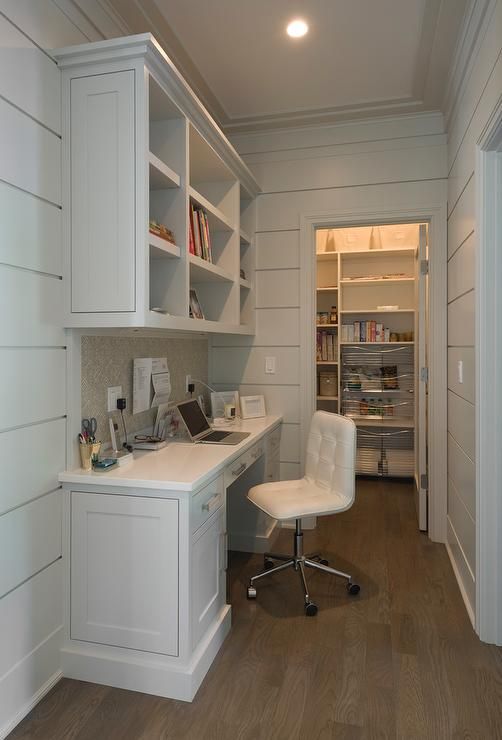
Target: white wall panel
(277, 250)
(461, 321)
(32, 385)
(26, 626)
(43, 22)
(30, 539)
(462, 423)
(281, 211)
(28, 77)
(290, 471)
(277, 288)
(38, 316)
(30, 231)
(462, 471)
(465, 355)
(463, 525)
(279, 399)
(30, 155)
(461, 269)
(290, 443)
(44, 446)
(464, 573)
(461, 221)
(353, 132)
(351, 168)
(242, 365)
(274, 327)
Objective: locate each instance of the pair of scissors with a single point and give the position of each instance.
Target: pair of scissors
(89, 428)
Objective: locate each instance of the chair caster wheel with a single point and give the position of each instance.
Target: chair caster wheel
(251, 593)
(353, 588)
(323, 562)
(310, 609)
(268, 564)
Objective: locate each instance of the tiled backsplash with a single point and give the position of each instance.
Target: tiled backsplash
(108, 361)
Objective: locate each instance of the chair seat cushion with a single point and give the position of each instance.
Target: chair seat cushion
(292, 499)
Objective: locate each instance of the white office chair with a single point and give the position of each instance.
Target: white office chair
(327, 488)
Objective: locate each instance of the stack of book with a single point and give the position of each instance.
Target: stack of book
(365, 331)
(326, 347)
(199, 241)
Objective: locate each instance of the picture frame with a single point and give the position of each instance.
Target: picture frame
(252, 407)
(195, 308)
(218, 401)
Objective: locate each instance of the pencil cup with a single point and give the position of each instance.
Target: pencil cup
(88, 451)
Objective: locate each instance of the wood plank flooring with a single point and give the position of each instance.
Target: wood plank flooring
(399, 661)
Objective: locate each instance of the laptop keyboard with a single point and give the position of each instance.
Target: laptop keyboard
(215, 436)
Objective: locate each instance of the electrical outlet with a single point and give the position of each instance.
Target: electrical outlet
(188, 380)
(114, 392)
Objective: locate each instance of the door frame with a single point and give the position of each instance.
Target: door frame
(435, 216)
(488, 358)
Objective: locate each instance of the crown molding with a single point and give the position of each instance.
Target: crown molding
(476, 20)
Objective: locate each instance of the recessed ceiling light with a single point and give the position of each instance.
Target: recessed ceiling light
(297, 28)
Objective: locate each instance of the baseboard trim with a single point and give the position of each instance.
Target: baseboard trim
(31, 704)
(458, 575)
(157, 675)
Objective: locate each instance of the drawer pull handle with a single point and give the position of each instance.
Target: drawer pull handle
(212, 503)
(239, 470)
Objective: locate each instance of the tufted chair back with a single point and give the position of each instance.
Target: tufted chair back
(331, 454)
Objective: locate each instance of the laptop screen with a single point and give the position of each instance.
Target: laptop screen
(194, 417)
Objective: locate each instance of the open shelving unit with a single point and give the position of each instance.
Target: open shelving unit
(376, 383)
(159, 156)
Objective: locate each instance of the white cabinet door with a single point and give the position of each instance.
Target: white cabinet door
(102, 147)
(124, 571)
(209, 563)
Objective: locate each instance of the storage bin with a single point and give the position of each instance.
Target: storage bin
(328, 384)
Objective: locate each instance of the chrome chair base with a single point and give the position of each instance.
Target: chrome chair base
(299, 562)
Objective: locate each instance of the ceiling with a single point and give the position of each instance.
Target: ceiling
(360, 59)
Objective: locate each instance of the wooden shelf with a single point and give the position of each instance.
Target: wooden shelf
(377, 281)
(202, 271)
(379, 312)
(327, 398)
(326, 290)
(245, 238)
(383, 421)
(245, 284)
(162, 177)
(326, 362)
(217, 219)
(376, 344)
(162, 249)
(327, 256)
(402, 252)
(326, 326)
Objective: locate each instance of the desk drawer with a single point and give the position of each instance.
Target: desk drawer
(242, 463)
(206, 502)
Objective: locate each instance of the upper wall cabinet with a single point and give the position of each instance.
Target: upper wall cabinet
(159, 209)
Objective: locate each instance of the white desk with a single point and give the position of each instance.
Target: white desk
(146, 554)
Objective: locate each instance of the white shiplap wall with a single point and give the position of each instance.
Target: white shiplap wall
(32, 351)
(330, 170)
(479, 94)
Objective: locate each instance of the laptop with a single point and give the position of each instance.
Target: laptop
(199, 429)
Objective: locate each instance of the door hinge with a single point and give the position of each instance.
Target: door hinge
(424, 267)
(424, 481)
(424, 374)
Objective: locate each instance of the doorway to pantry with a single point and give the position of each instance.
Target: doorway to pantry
(371, 334)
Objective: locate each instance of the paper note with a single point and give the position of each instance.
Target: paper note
(142, 373)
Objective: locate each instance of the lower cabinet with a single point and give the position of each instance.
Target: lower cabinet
(209, 564)
(124, 571)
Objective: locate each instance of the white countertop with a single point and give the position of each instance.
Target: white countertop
(180, 466)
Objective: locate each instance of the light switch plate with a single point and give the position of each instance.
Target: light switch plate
(114, 392)
(460, 371)
(270, 365)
